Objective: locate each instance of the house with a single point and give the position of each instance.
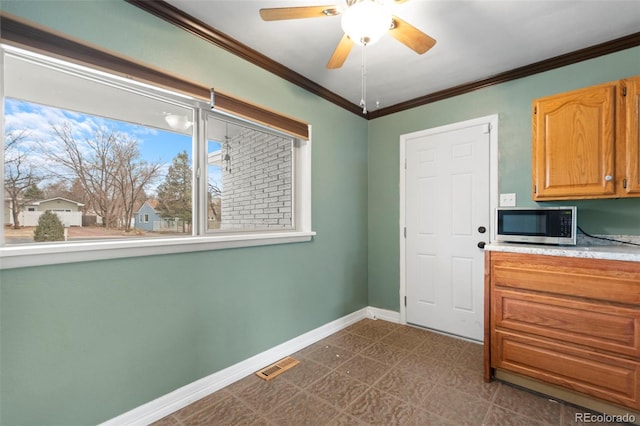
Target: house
(147, 218)
(83, 343)
(6, 210)
(69, 211)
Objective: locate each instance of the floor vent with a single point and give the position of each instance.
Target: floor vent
(275, 369)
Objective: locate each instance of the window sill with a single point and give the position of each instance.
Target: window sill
(48, 254)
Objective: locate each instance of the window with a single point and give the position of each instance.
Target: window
(249, 177)
(121, 163)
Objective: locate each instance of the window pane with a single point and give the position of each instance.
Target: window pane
(86, 160)
(250, 177)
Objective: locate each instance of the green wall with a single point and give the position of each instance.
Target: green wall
(512, 102)
(82, 343)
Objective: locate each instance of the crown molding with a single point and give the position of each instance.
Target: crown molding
(591, 52)
(191, 24)
(198, 28)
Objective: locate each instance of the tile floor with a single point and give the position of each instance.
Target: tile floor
(377, 373)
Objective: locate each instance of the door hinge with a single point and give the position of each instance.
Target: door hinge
(624, 183)
(535, 189)
(535, 109)
(624, 90)
(405, 164)
(405, 232)
(405, 301)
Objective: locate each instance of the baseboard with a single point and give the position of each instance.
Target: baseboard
(167, 404)
(383, 314)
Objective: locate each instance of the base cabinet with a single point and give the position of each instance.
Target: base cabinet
(608, 377)
(569, 322)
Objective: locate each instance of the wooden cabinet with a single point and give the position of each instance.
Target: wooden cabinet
(569, 322)
(632, 147)
(585, 143)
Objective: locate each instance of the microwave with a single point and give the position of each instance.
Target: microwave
(538, 225)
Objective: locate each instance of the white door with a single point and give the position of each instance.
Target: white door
(447, 213)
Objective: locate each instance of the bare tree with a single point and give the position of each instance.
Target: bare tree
(108, 169)
(58, 188)
(20, 173)
(131, 177)
(89, 162)
(214, 195)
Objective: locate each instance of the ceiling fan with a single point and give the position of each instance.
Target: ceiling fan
(363, 21)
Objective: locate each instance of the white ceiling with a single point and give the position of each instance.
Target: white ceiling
(476, 39)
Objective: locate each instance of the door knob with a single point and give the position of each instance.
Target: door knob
(481, 244)
(482, 229)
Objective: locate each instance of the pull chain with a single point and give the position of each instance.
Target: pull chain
(363, 100)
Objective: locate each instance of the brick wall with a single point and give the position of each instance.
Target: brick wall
(257, 189)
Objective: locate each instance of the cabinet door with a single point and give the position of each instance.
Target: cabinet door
(632, 136)
(573, 144)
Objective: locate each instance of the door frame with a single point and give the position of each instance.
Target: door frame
(492, 121)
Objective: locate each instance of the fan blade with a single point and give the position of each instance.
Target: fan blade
(281, 13)
(410, 36)
(341, 53)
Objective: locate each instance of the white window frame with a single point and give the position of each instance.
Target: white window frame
(33, 254)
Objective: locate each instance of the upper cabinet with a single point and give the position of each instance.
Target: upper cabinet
(632, 136)
(586, 143)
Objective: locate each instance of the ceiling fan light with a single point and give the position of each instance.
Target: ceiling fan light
(366, 21)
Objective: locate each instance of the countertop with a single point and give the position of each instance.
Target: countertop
(611, 252)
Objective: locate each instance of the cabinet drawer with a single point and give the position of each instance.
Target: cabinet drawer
(605, 280)
(599, 375)
(604, 327)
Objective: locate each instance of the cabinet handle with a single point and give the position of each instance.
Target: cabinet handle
(608, 178)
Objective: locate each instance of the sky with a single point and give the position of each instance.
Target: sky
(155, 145)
